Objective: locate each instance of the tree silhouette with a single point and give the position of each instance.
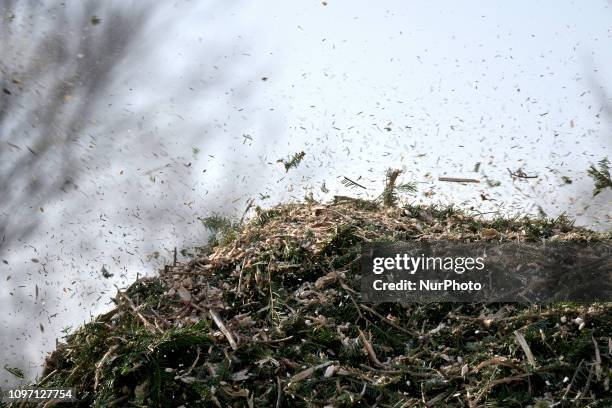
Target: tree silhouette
(57, 61)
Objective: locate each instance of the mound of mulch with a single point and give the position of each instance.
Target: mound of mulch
(271, 316)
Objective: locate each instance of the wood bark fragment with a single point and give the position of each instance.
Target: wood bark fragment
(458, 180)
(101, 363)
(598, 370)
(150, 327)
(520, 339)
(228, 334)
(370, 349)
(307, 373)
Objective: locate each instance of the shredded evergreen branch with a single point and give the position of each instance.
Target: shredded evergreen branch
(347, 182)
(389, 194)
(216, 223)
(406, 188)
(222, 228)
(292, 161)
(601, 176)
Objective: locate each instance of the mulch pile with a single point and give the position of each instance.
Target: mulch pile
(271, 317)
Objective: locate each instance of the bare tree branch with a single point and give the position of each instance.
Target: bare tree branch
(53, 72)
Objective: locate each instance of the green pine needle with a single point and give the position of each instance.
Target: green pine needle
(292, 161)
(601, 176)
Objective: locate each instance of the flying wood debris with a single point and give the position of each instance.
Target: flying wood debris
(521, 174)
(601, 176)
(458, 180)
(292, 161)
(389, 195)
(347, 182)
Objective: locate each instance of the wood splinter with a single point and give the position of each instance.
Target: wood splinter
(228, 334)
(458, 180)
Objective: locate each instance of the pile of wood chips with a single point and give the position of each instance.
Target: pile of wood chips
(273, 318)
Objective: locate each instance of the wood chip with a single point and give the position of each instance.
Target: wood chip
(228, 334)
(307, 373)
(503, 361)
(370, 349)
(184, 295)
(323, 281)
(329, 371)
(489, 233)
(241, 375)
(520, 339)
(458, 180)
(597, 359)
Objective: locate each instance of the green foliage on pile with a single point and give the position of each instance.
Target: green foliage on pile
(313, 343)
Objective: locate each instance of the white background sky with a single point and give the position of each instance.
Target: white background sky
(507, 84)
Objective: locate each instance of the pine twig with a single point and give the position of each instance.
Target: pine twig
(150, 327)
(601, 176)
(520, 174)
(292, 161)
(388, 196)
(347, 182)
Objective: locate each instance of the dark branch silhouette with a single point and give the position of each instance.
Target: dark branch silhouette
(53, 71)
